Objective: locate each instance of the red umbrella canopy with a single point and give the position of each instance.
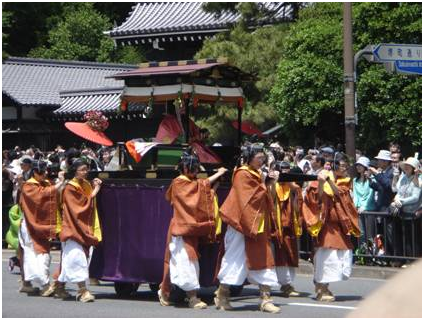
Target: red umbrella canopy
(248, 127)
(83, 130)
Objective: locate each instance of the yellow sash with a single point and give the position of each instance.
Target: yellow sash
(87, 190)
(184, 177)
(315, 229)
(278, 211)
(327, 187)
(345, 180)
(218, 220)
(283, 191)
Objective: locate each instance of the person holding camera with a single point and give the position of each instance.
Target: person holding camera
(40, 224)
(249, 215)
(382, 180)
(80, 227)
(193, 222)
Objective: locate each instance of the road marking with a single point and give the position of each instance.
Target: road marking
(319, 305)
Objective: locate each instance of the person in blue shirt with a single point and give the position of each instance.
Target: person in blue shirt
(363, 194)
(382, 182)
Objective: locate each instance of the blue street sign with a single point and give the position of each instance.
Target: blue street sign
(385, 52)
(408, 67)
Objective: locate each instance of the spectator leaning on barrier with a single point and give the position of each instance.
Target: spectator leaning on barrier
(405, 205)
(383, 180)
(408, 197)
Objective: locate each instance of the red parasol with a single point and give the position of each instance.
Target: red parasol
(91, 130)
(248, 127)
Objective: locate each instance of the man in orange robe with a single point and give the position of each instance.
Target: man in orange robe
(288, 208)
(248, 213)
(331, 218)
(39, 226)
(193, 220)
(81, 228)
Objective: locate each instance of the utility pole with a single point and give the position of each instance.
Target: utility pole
(349, 99)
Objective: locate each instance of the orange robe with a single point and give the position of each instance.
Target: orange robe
(39, 203)
(334, 218)
(80, 221)
(289, 201)
(193, 219)
(248, 208)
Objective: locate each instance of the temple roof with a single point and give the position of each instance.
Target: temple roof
(184, 21)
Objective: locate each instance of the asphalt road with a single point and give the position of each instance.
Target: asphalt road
(145, 303)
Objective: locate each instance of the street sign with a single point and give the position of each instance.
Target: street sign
(385, 52)
(408, 67)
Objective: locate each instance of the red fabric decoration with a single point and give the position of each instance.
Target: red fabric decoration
(248, 127)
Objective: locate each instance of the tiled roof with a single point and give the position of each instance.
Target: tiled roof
(30, 81)
(163, 19)
(106, 100)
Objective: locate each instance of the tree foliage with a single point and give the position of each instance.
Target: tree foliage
(68, 30)
(308, 93)
(256, 53)
(80, 37)
(389, 104)
(6, 22)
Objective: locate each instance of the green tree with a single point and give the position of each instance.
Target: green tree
(389, 104)
(6, 23)
(256, 53)
(30, 24)
(32, 21)
(308, 91)
(79, 37)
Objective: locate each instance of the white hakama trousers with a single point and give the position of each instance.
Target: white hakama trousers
(184, 272)
(285, 275)
(74, 263)
(234, 269)
(36, 266)
(332, 265)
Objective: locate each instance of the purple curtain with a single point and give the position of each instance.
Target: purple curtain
(134, 220)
